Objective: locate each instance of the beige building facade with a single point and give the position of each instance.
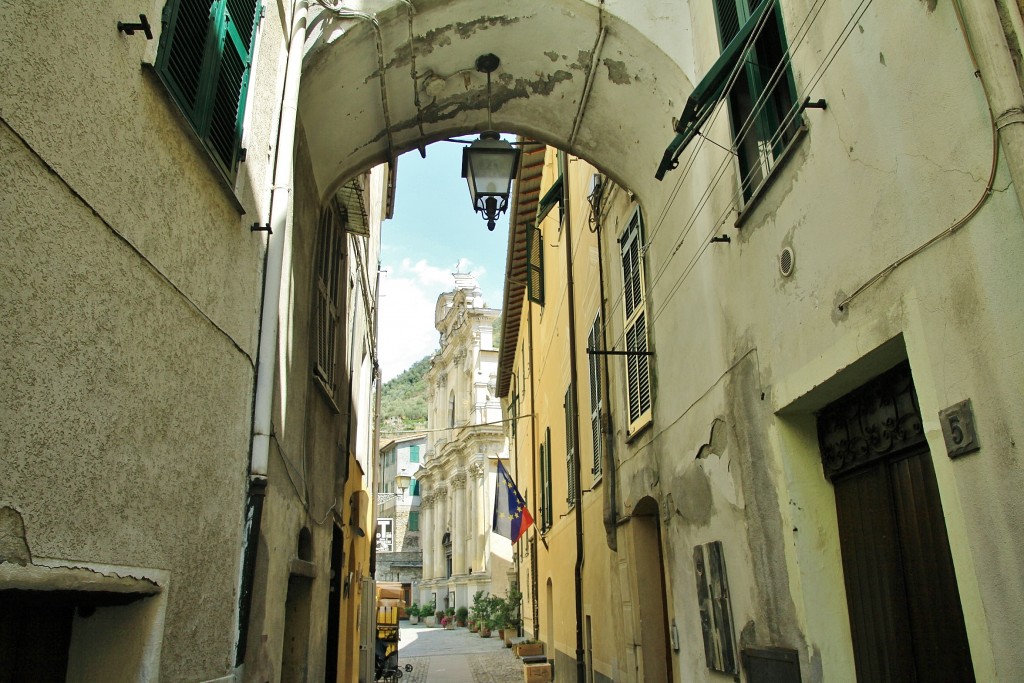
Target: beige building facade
(184, 460)
(465, 441)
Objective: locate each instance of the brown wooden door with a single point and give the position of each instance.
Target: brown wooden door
(906, 620)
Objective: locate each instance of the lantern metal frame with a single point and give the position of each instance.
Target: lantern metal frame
(487, 151)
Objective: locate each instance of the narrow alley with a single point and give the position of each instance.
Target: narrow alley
(736, 395)
(440, 655)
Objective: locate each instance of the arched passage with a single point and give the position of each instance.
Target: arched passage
(571, 72)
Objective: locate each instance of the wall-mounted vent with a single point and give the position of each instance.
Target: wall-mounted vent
(786, 261)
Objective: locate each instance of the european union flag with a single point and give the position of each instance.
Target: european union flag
(511, 518)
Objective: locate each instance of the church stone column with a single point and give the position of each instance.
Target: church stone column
(478, 519)
(483, 528)
(426, 536)
(458, 483)
(440, 526)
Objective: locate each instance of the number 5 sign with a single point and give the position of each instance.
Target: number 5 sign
(958, 429)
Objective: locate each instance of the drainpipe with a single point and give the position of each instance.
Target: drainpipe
(267, 353)
(987, 46)
(608, 463)
(563, 169)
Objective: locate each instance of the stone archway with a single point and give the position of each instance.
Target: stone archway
(571, 72)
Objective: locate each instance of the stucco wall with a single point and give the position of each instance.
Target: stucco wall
(132, 285)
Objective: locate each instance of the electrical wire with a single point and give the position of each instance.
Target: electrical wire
(977, 206)
(802, 33)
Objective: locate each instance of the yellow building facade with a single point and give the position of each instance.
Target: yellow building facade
(590, 580)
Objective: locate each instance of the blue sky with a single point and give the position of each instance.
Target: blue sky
(434, 232)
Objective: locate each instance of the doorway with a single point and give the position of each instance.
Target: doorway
(651, 591)
(906, 619)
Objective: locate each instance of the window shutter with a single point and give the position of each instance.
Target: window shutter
(205, 58)
(593, 343)
(638, 381)
(326, 311)
(543, 489)
(545, 481)
(728, 18)
(186, 31)
(570, 453)
(535, 266)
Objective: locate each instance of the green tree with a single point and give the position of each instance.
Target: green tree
(403, 401)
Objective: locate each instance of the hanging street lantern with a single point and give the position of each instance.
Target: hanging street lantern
(489, 165)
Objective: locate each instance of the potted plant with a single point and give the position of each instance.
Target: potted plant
(414, 613)
(475, 615)
(528, 648)
(461, 615)
(427, 614)
(483, 605)
(494, 619)
(438, 616)
(507, 615)
(500, 616)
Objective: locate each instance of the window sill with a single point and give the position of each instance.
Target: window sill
(773, 174)
(326, 393)
(631, 436)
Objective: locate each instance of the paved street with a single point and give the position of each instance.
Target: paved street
(458, 656)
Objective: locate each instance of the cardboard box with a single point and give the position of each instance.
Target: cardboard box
(537, 673)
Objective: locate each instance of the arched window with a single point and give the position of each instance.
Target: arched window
(451, 409)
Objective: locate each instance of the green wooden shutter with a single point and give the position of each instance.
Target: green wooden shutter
(236, 40)
(183, 50)
(205, 59)
(543, 489)
(570, 452)
(594, 343)
(535, 266)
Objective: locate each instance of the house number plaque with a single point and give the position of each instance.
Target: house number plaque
(958, 429)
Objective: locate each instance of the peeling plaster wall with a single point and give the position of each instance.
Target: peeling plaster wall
(744, 355)
(532, 93)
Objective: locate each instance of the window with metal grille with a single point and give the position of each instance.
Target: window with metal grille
(535, 266)
(762, 102)
(570, 451)
(326, 309)
(204, 60)
(596, 398)
(638, 378)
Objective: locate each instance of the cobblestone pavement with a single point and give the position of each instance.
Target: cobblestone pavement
(486, 660)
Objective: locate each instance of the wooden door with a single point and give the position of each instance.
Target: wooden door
(906, 620)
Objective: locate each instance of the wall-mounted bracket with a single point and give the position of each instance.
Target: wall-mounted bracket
(817, 104)
(256, 227)
(130, 29)
(721, 238)
(595, 352)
